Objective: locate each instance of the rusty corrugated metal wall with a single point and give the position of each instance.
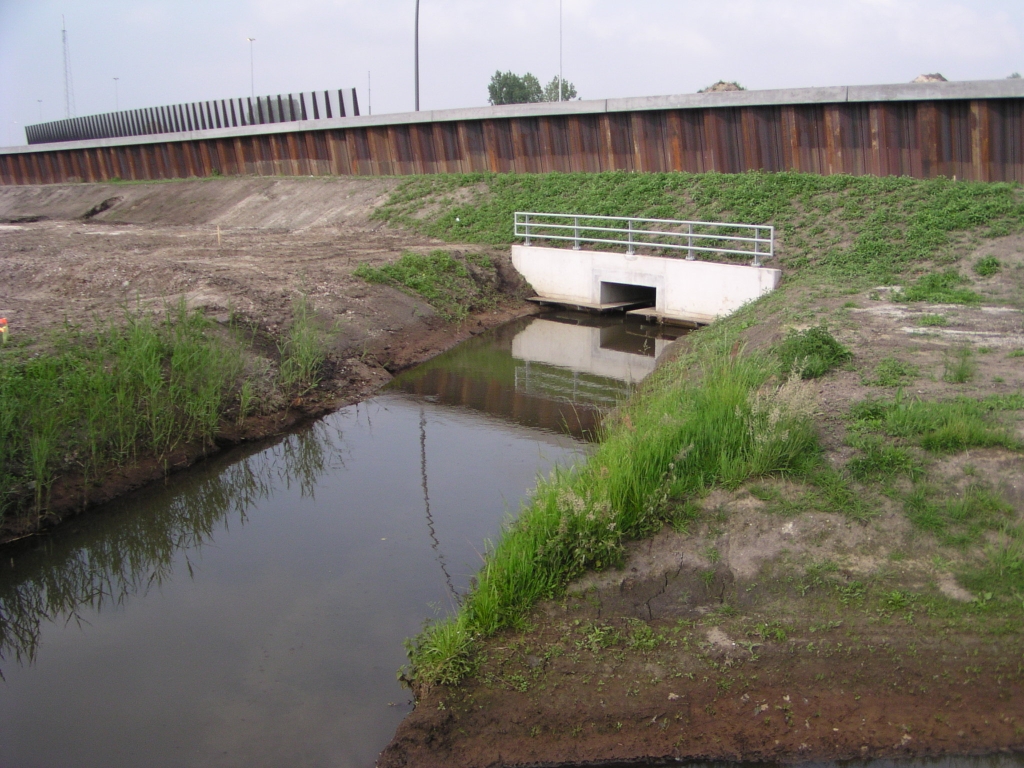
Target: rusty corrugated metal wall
(979, 139)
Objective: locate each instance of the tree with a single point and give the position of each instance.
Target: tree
(510, 88)
(551, 90)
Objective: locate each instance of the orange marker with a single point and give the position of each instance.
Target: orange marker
(3, 328)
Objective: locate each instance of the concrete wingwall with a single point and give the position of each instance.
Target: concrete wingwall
(693, 291)
(970, 130)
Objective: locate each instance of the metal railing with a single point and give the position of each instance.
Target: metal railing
(754, 240)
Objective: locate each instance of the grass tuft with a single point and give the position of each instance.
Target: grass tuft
(959, 366)
(893, 372)
(302, 352)
(932, 321)
(987, 266)
(811, 353)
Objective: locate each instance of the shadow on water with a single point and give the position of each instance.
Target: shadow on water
(102, 561)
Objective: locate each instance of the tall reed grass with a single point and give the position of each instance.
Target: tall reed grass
(145, 385)
(709, 419)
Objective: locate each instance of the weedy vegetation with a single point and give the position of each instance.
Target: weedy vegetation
(812, 353)
(892, 372)
(445, 282)
(142, 386)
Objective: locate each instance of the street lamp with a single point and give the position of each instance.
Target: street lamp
(252, 78)
(559, 50)
(417, 55)
(117, 104)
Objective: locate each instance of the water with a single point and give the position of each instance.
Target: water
(252, 610)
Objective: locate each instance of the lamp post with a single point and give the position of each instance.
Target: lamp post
(559, 50)
(252, 77)
(117, 104)
(416, 54)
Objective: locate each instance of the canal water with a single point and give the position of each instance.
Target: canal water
(251, 611)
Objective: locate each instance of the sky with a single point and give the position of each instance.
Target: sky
(174, 51)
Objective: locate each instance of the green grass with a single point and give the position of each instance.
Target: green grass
(958, 521)
(959, 366)
(855, 231)
(881, 461)
(939, 288)
(893, 372)
(932, 321)
(1016, 353)
(941, 427)
(444, 282)
(301, 352)
(708, 420)
(987, 266)
(96, 399)
(811, 353)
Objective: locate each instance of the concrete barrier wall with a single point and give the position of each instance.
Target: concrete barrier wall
(694, 291)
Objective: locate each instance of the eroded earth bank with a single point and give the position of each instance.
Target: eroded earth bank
(242, 252)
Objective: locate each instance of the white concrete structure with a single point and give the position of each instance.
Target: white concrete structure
(687, 291)
(582, 348)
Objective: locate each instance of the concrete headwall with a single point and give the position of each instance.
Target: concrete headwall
(695, 291)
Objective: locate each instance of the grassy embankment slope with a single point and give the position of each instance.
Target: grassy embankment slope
(78, 405)
(730, 419)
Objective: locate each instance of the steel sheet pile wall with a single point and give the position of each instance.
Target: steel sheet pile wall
(978, 139)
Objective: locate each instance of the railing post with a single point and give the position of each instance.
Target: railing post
(689, 242)
(576, 233)
(629, 245)
(526, 227)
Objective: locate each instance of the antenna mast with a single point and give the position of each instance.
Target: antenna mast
(69, 86)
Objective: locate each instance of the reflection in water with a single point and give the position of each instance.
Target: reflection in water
(124, 555)
(434, 543)
(558, 372)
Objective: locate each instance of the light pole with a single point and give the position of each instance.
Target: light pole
(40, 110)
(559, 50)
(117, 104)
(252, 77)
(416, 46)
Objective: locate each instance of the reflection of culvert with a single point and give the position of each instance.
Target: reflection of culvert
(107, 204)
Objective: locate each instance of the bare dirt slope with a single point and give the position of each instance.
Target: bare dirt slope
(243, 246)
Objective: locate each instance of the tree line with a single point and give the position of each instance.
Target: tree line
(510, 88)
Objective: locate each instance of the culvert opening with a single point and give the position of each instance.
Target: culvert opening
(638, 296)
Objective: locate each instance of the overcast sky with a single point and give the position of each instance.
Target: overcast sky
(172, 51)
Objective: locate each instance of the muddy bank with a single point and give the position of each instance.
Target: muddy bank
(778, 625)
(241, 250)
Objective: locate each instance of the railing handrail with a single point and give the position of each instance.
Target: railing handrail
(763, 240)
